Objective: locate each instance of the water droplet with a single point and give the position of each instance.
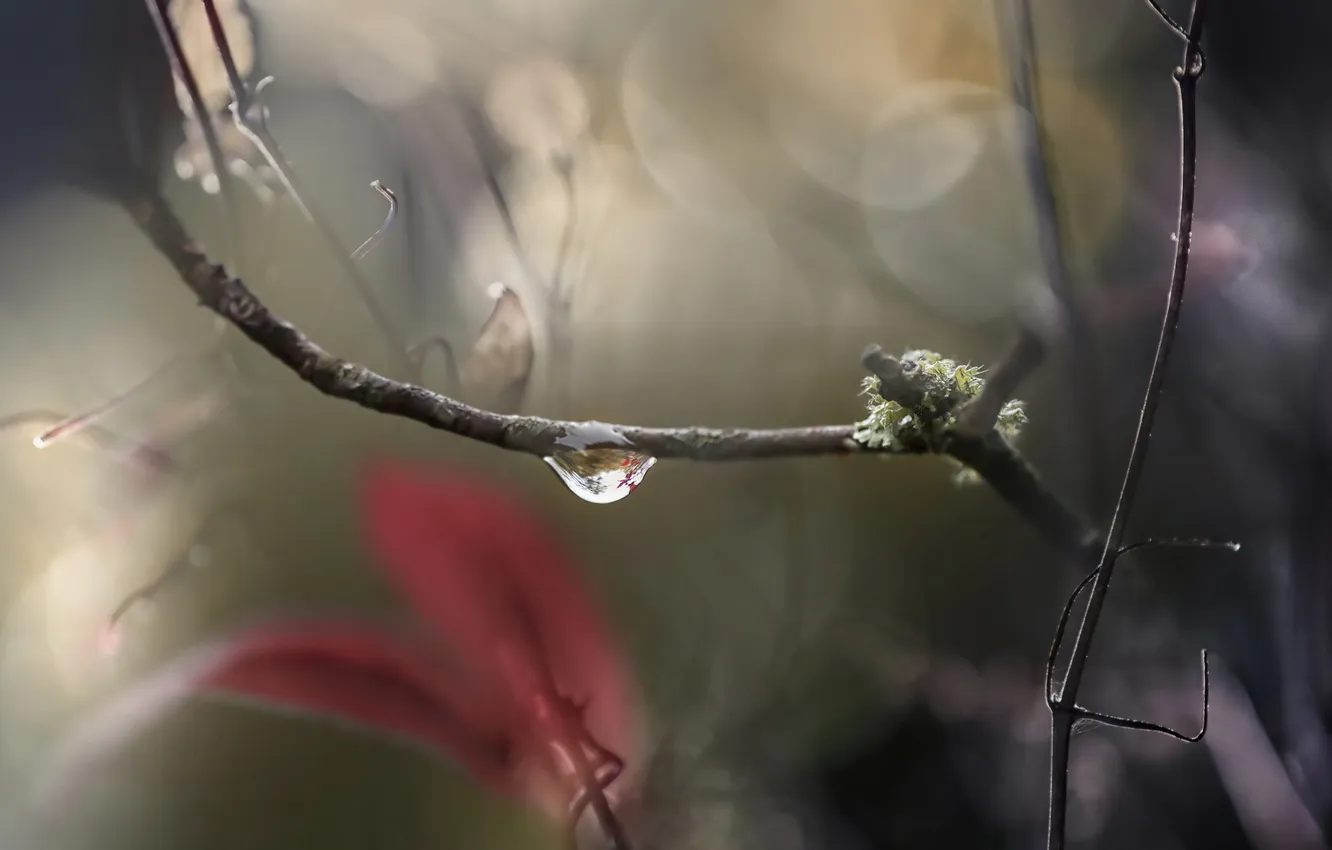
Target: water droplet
(601, 476)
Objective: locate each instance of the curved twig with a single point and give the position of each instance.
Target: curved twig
(1057, 643)
(1081, 713)
(378, 236)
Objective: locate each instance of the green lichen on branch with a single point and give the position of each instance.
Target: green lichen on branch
(926, 397)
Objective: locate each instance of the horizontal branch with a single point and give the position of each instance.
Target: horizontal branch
(1002, 467)
(334, 376)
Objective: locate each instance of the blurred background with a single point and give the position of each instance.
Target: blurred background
(736, 197)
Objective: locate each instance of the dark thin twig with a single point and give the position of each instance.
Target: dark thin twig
(1058, 641)
(1181, 542)
(1051, 698)
(1148, 726)
(245, 102)
(1016, 31)
(1167, 20)
(180, 66)
(603, 773)
(378, 236)
(243, 107)
(1063, 713)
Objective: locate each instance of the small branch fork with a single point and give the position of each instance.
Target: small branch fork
(1064, 710)
(1053, 699)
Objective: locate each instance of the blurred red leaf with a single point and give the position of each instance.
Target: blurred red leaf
(515, 658)
(369, 676)
(497, 587)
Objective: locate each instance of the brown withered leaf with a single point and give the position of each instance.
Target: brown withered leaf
(499, 366)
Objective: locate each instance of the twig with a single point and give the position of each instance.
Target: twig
(378, 236)
(180, 67)
(1083, 370)
(98, 436)
(243, 106)
(1064, 711)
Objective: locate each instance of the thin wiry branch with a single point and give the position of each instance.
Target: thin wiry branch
(72, 425)
(593, 780)
(378, 236)
(1081, 713)
(98, 436)
(1189, 543)
(1064, 712)
(1167, 20)
(1016, 32)
(180, 67)
(1057, 643)
(245, 106)
(1183, 543)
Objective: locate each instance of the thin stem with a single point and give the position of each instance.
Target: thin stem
(1182, 543)
(1186, 79)
(1083, 367)
(1147, 726)
(180, 66)
(98, 436)
(72, 425)
(378, 236)
(1167, 20)
(242, 107)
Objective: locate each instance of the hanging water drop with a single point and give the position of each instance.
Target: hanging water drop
(601, 476)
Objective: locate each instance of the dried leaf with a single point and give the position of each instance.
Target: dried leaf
(497, 370)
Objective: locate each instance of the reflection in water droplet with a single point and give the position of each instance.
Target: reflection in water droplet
(601, 476)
